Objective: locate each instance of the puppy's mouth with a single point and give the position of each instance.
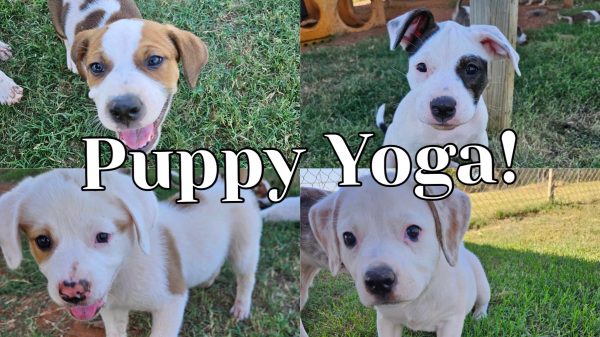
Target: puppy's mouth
(86, 312)
(144, 139)
(444, 126)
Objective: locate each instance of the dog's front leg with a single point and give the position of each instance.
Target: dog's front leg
(115, 322)
(166, 321)
(386, 328)
(452, 328)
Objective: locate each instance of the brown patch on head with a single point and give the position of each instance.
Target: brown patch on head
(91, 21)
(86, 50)
(173, 263)
(32, 233)
(58, 12)
(86, 4)
(128, 11)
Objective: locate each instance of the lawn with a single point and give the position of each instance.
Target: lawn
(544, 271)
(247, 95)
(26, 309)
(556, 111)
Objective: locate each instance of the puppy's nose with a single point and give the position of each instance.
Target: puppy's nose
(74, 292)
(443, 108)
(380, 281)
(125, 109)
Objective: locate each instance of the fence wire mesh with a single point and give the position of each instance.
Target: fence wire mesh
(533, 189)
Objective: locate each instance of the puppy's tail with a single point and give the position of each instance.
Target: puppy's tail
(379, 118)
(567, 18)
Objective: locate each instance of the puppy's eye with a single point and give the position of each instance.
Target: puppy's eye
(43, 242)
(154, 61)
(102, 237)
(413, 232)
(97, 68)
(422, 67)
(349, 239)
(472, 69)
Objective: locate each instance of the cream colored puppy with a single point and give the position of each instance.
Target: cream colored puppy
(118, 250)
(406, 256)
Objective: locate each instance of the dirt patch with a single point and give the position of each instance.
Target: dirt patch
(530, 17)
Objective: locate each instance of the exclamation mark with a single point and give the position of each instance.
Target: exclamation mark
(508, 138)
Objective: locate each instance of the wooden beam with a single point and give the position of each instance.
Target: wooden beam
(499, 94)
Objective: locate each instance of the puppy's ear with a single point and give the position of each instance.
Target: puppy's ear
(10, 208)
(454, 214)
(141, 205)
(79, 50)
(411, 29)
(191, 51)
(496, 44)
(323, 222)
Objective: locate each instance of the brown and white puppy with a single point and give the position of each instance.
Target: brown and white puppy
(130, 64)
(405, 255)
(10, 92)
(119, 250)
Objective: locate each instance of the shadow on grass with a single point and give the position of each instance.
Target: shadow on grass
(532, 295)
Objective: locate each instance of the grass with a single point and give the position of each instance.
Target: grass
(247, 94)
(26, 309)
(555, 113)
(544, 271)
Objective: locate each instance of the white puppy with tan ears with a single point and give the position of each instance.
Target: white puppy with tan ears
(118, 250)
(447, 73)
(130, 64)
(405, 255)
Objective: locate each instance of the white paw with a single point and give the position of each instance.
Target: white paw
(5, 51)
(10, 92)
(72, 67)
(240, 311)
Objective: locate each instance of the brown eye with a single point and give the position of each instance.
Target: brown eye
(472, 69)
(43, 242)
(412, 232)
(349, 239)
(422, 67)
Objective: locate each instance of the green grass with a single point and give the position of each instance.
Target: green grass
(26, 309)
(544, 271)
(556, 107)
(247, 94)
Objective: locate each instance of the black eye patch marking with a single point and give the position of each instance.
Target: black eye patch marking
(472, 70)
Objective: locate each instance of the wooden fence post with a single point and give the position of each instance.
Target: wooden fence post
(499, 94)
(551, 186)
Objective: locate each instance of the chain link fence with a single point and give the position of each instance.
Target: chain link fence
(533, 190)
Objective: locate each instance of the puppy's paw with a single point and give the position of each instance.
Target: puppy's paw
(10, 92)
(72, 67)
(480, 312)
(240, 311)
(5, 51)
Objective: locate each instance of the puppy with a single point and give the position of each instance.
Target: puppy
(405, 255)
(447, 75)
(10, 92)
(589, 16)
(462, 15)
(130, 64)
(118, 250)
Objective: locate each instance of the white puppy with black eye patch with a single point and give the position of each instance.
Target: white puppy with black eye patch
(130, 64)
(447, 73)
(405, 255)
(118, 250)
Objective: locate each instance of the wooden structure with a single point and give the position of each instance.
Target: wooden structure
(499, 94)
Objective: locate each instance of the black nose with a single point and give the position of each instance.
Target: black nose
(380, 281)
(125, 109)
(443, 108)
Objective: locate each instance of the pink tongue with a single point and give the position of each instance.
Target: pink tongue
(85, 312)
(137, 138)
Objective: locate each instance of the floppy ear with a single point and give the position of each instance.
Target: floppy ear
(141, 205)
(496, 44)
(79, 50)
(10, 205)
(454, 214)
(411, 29)
(191, 51)
(323, 222)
